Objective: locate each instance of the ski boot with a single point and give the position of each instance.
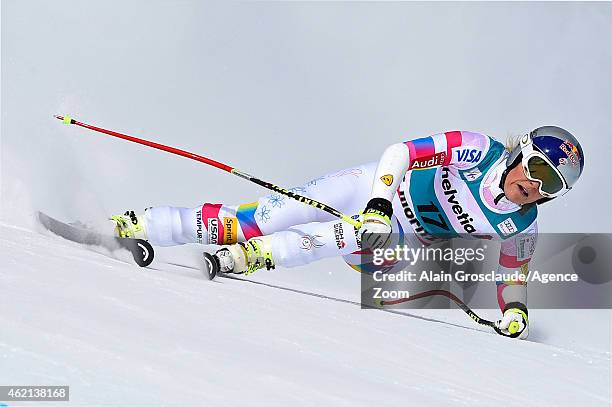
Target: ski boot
(241, 258)
(130, 226)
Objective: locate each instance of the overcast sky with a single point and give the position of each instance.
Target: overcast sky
(286, 91)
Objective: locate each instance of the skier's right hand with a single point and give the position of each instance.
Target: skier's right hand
(375, 230)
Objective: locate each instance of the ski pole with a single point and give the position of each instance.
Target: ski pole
(216, 164)
(448, 295)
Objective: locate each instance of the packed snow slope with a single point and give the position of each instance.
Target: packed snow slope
(121, 335)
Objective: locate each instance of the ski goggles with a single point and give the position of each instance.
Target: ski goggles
(537, 167)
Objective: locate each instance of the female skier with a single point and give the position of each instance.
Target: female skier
(453, 184)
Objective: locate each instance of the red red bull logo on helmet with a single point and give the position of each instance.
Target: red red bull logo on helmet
(571, 151)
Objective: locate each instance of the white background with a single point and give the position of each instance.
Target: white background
(287, 91)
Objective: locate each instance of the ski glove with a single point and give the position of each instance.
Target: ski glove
(375, 230)
(514, 323)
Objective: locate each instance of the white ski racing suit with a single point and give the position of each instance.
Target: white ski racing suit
(445, 185)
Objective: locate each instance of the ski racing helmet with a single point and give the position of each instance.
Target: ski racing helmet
(551, 156)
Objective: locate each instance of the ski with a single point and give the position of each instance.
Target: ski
(212, 270)
(141, 250)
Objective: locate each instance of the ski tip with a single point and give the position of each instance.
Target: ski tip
(211, 266)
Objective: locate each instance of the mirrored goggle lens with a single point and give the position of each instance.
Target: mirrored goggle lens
(542, 171)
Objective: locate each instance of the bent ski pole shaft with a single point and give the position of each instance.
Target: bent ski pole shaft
(216, 164)
(448, 295)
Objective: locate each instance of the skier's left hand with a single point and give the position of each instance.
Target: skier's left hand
(514, 323)
(375, 230)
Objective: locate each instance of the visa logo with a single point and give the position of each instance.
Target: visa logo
(468, 156)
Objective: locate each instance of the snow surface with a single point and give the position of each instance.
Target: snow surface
(121, 335)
